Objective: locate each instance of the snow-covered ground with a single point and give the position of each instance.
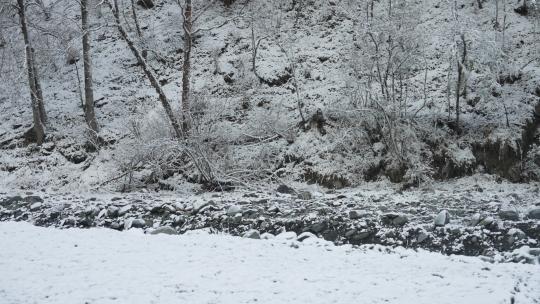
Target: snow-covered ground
(46, 265)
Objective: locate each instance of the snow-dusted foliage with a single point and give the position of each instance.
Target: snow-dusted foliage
(329, 92)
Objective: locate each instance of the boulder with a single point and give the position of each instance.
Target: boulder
(442, 218)
(534, 213)
(252, 234)
(357, 214)
(509, 215)
(164, 230)
(124, 210)
(285, 189)
(233, 210)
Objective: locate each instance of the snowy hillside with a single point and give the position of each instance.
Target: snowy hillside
(318, 60)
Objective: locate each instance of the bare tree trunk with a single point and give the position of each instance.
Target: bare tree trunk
(135, 19)
(89, 112)
(461, 78)
(151, 77)
(186, 67)
(39, 92)
(2, 40)
(39, 129)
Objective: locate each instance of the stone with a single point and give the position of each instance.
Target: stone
(102, 213)
(509, 215)
(400, 220)
(267, 236)
(91, 211)
(422, 236)
(318, 227)
(361, 235)
(233, 210)
(330, 235)
(35, 206)
(252, 234)
(33, 199)
(487, 221)
(138, 223)
(273, 209)
(534, 214)
(237, 218)
(198, 206)
(476, 219)
(357, 214)
(285, 189)
(164, 230)
(442, 218)
(287, 235)
(394, 219)
(113, 211)
(124, 210)
(179, 220)
(305, 235)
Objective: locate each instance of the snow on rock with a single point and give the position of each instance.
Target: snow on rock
(45, 265)
(442, 218)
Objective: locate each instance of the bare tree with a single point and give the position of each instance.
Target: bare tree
(89, 113)
(461, 82)
(146, 69)
(36, 97)
(189, 19)
(187, 11)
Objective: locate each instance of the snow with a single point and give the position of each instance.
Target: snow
(46, 265)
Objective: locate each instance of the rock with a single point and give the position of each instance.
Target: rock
(252, 234)
(113, 211)
(10, 200)
(138, 223)
(509, 215)
(102, 213)
(534, 214)
(179, 220)
(164, 230)
(487, 221)
(124, 210)
(198, 206)
(273, 209)
(400, 220)
(33, 199)
(35, 206)
(361, 235)
(476, 219)
(442, 218)
(318, 227)
(394, 219)
(422, 236)
(357, 214)
(287, 235)
(237, 218)
(305, 235)
(517, 234)
(305, 195)
(91, 211)
(330, 235)
(251, 213)
(233, 210)
(285, 189)
(267, 236)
